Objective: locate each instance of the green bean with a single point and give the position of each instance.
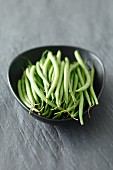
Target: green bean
(35, 97)
(38, 69)
(66, 79)
(51, 72)
(83, 76)
(92, 100)
(71, 90)
(75, 82)
(58, 56)
(88, 80)
(59, 83)
(38, 82)
(81, 106)
(27, 72)
(21, 94)
(72, 82)
(61, 88)
(61, 94)
(56, 72)
(47, 110)
(73, 66)
(23, 88)
(82, 83)
(53, 75)
(45, 113)
(38, 78)
(41, 65)
(75, 86)
(46, 65)
(29, 92)
(37, 90)
(49, 115)
(92, 74)
(30, 106)
(39, 85)
(91, 86)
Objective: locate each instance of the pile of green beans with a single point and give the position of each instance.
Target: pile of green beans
(58, 89)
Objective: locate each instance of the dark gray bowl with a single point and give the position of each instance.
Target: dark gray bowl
(19, 63)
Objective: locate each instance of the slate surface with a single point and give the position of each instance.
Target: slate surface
(26, 143)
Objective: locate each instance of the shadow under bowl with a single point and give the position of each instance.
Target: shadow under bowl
(20, 63)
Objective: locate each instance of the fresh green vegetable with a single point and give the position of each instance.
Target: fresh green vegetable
(66, 79)
(56, 88)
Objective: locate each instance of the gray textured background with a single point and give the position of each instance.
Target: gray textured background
(26, 143)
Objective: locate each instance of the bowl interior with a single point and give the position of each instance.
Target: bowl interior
(19, 64)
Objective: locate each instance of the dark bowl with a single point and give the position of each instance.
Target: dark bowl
(19, 64)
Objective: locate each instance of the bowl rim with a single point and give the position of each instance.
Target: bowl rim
(55, 46)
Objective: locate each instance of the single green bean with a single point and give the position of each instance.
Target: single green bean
(91, 86)
(73, 66)
(72, 99)
(61, 94)
(45, 68)
(88, 79)
(58, 56)
(66, 79)
(35, 96)
(75, 82)
(27, 72)
(56, 72)
(53, 75)
(41, 65)
(81, 106)
(59, 83)
(92, 74)
(23, 88)
(83, 75)
(92, 100)
(50, 73)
